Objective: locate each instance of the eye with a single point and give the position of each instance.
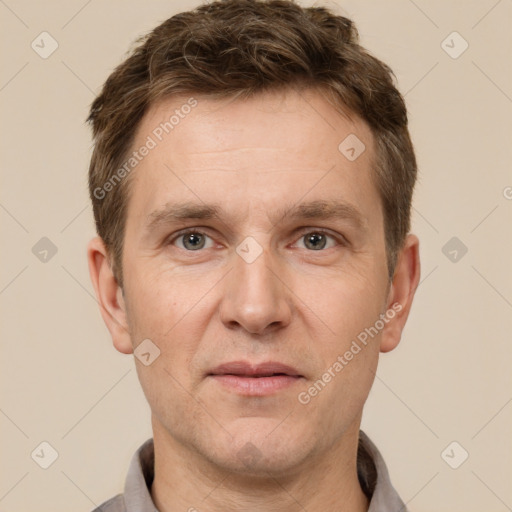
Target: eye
(318, 240)
(192, 241)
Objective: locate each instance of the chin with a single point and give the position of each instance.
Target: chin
(259, 448)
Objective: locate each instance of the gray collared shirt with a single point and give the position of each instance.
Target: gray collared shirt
(372, 472)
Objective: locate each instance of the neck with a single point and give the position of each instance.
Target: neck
(186, 480)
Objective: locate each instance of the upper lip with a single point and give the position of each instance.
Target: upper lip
(265, 369)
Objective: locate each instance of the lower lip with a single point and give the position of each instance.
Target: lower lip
(256, 386)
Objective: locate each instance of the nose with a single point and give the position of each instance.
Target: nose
(255, 297)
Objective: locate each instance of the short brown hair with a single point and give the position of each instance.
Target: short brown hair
(237, 48)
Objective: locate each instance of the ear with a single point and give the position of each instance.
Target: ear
(109, 295)
(401, 292)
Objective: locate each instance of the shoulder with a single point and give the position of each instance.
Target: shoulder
(115, 504)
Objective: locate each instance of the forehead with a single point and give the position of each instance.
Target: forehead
(251, 152)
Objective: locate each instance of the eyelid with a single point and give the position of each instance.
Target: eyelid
(174, 237)
(300, 232)
(336, 236)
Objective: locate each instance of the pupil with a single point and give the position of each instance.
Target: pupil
(316, 237)
(194, 241)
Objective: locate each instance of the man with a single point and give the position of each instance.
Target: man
(251, 181)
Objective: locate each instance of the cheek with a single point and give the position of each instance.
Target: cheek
(170, 311)
(344, 304)
(160, 300)
(165, 315)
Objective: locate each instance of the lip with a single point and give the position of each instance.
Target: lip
(255, 380)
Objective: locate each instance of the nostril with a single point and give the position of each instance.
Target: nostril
(233, 324)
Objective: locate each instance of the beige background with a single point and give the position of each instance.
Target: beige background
(449, 380)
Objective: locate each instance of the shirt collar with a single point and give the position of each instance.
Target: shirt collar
(372, 471)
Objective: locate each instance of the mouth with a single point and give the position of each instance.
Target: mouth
(260, 380)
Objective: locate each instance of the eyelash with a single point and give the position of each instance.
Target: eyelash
(300, 234)
(339, 239)
(181, 234)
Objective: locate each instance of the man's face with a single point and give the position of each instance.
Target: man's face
(269, 278)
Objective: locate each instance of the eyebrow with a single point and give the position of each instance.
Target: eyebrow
(323, 209)
(317, 210)
(182, 211)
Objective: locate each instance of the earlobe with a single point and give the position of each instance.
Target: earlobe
(401, 293)
(109, 295)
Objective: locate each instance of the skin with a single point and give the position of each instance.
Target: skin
(293, 304)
